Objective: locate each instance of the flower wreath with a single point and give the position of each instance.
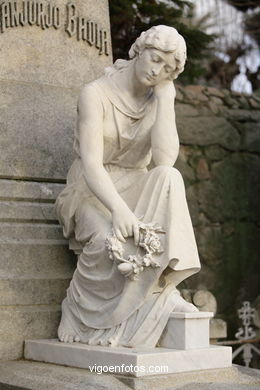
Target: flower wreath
(134, 264)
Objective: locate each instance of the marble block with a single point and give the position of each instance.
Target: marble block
(131, 361)
(187, 331)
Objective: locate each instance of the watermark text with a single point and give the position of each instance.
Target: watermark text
(128, 369)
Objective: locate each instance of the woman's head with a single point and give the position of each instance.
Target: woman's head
(163, 38)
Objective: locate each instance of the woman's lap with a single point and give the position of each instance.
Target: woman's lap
(93, 221)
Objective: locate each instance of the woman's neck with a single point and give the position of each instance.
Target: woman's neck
(127, 81)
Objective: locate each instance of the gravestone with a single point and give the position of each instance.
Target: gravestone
(48, 50)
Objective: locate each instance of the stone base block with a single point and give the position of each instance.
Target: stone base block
(187, 331)
(130, 361)
(26, 375)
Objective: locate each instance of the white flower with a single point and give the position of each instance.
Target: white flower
(125, 268)
(135, 264)
(147, 261)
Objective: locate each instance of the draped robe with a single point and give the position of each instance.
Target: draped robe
(102, 305)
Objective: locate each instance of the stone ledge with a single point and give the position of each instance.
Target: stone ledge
(185, 331)
(21, 375)
(24, 190)
(140, 360)
(192, 316)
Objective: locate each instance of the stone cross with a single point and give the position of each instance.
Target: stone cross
(246, 313)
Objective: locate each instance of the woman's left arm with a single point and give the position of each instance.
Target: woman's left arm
(164, 136)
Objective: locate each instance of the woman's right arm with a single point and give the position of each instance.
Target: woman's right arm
(90, 124)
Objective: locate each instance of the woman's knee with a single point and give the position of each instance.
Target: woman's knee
(169, 172)
(96, 242)
(91, 225)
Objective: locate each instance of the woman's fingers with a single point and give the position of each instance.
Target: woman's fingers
(123, 231)
(126, 227)
(129, 229)
(132, 230)
(136, 234)
(119, 235)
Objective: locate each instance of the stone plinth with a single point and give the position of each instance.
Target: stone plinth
(130, 361)
(187, 331)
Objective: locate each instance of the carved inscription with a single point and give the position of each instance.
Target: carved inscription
(46, 15)
(86, 30)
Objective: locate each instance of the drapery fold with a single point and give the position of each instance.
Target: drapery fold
(103, 306)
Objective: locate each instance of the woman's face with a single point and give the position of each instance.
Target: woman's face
(154, 66)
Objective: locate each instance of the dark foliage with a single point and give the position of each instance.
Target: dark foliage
(252, 20)
(130, 18)
(221, 73)
(244, 5)
(252, 26)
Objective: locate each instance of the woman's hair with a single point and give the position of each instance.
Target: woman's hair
(162, 38)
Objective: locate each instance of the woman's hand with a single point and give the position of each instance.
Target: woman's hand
(125, 224)
(165, 89)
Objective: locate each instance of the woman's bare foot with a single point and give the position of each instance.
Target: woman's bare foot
(183, 306)
(65, 332)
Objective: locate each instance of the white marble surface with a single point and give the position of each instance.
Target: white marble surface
(129, 224)
(192, 315)
(142, 359)
(187, 331)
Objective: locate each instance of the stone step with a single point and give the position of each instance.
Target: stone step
(11, 348)
(20, 322)
(29, 190)
(12, 211)
(32, 291)
(23, 375)
(38, 260)
(21, 232)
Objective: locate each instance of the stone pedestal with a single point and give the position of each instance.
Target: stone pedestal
(187, 331)
(184, 346)
(129, 361)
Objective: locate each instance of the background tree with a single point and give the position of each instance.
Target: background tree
(235, 56)
(252, 28)
(129, 18)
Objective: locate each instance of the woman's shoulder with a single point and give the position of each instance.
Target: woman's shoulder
(91, 87)
(94, 89)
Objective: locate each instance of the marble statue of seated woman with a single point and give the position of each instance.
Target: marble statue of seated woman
(130, 226)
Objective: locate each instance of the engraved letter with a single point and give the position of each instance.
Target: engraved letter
(56, 17)
(90, 32)
(23, 16)
(82, 29)
(97, 36)
(14, 20)
(71, 19)
(101, 42)
(40, 15)
(5, 16)
(48, 17)
(105, 42)
(31, 12)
